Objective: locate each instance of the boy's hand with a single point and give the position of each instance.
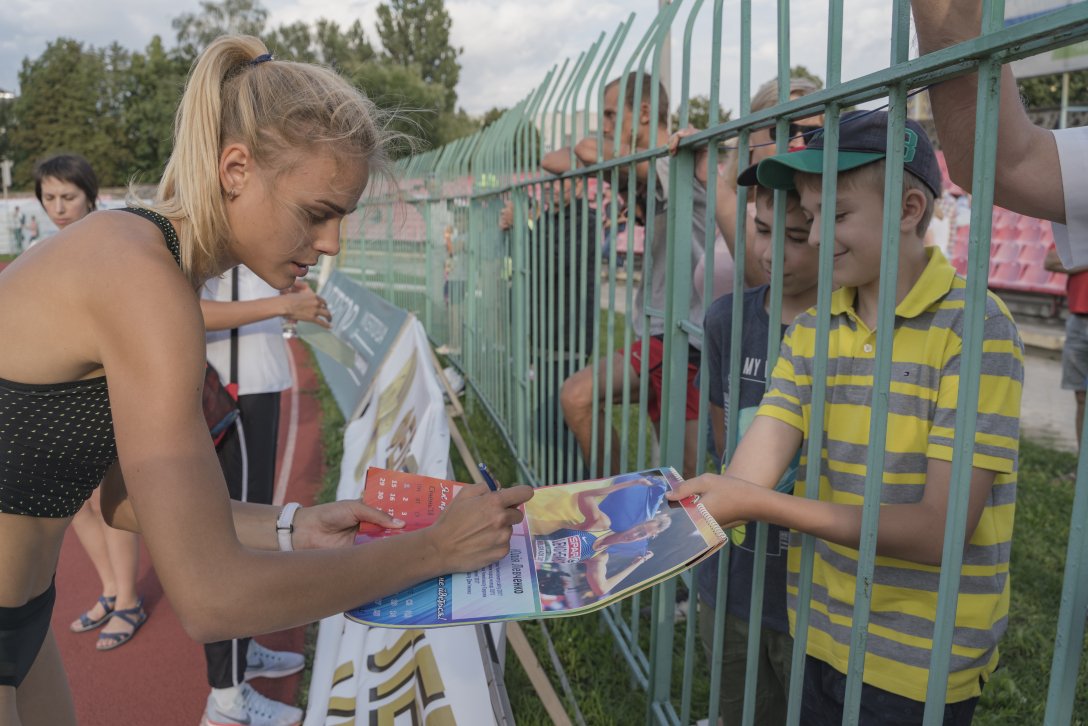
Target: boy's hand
(729, 500)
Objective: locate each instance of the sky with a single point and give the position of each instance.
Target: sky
(508, 45)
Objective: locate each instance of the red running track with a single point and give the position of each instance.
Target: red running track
(158, 677)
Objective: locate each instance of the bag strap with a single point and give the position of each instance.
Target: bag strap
(164, 226)
(234, 331)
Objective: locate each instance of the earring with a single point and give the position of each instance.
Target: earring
(232, 194)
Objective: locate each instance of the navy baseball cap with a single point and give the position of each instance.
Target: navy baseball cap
(863, 139)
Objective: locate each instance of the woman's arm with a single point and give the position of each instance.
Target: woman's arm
(150, 334)
(300, 303)
(318, 527)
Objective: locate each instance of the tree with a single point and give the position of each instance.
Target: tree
(322, 43)
(64, 106)
(152, 91)
(416, 33)
(491, 116)
(196, 30)
(802, 72)
(699, 113)
(292, 42)
(414, 103)
(1045, 92)
(342, 50)
(6, 117)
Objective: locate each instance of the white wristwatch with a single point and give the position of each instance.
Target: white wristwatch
(285, 525)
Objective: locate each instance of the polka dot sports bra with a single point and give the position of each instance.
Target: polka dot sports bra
(56, 439)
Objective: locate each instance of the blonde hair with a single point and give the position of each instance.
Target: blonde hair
(276, 109)
(765, 97)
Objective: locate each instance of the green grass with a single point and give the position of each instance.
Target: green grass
(1017, 693)
(602, 683)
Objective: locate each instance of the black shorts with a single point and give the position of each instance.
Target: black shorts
(22, 632)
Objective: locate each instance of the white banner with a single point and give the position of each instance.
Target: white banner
(1060, 60)
(366, 675)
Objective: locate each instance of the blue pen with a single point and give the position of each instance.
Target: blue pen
(491, 483)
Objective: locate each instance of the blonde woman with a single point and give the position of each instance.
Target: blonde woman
(103, 364)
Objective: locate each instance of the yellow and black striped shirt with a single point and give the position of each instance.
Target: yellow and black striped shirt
(921, 414)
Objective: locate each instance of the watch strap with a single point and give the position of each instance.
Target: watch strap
(285, 525)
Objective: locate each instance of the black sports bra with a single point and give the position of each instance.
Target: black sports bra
(56, 439)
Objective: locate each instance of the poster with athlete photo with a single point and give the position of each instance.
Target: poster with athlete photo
(580, 547)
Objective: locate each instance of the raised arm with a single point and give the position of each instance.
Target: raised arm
(1027, 156)
(299, 303)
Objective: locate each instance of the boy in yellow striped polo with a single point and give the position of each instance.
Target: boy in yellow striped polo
(927, 342)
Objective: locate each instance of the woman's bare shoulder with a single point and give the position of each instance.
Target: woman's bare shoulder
(107, 280)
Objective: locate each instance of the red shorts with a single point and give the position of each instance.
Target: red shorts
(657, 357)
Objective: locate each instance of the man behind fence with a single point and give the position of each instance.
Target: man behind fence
(926, 349)
(576, 397)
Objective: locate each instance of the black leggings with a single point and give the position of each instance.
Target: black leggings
(226, 659)
(22, 632)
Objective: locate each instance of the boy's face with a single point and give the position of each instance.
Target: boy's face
(800, 262)
(859, 221)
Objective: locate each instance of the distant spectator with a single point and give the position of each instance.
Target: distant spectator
(640, 130)
(1075, 350)
(67, 188)
(18, 219)
(32, 230)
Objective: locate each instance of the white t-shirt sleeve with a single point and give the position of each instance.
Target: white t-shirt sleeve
(1071, 238)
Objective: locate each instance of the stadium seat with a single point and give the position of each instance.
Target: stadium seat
(1038, 279)
(1032, 253)
(1005, 275)
(1004, 250)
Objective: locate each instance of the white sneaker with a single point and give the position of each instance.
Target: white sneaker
(264, 663)
(249, 708)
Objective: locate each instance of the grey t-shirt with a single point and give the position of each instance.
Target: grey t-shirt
(655, 261)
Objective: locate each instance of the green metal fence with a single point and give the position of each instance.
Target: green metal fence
(519, 306)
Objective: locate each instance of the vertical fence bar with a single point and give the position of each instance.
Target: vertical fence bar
(487, 331)
(982, 195)
(815, 433)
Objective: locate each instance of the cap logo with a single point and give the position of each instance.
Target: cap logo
(911, 148)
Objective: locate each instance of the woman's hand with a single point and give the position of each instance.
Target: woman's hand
(302, 303)
(475, 528)
(334, 525)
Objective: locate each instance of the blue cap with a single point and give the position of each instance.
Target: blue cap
(863, 139)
